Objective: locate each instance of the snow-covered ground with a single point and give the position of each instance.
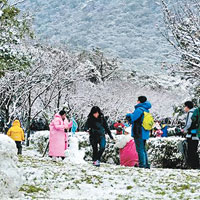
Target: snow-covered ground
(45, 179)
(72, 179)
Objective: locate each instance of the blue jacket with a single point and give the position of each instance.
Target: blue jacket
(164, 130)
(139, 110)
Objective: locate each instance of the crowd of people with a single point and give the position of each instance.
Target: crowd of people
(134, 131)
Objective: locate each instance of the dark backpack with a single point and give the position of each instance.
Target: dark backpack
(119, 129)
(196, 121)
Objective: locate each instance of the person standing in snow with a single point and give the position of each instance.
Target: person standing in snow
(97, 127)
(128, 153)
(58, 138)
(17, 134)
(138, 132)
(192, 138)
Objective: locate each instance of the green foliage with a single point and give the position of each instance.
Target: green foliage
(166, 152)
(13, 29)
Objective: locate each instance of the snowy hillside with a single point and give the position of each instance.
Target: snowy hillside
(126, 29)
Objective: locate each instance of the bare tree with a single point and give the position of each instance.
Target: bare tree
(31, 92)
(104, 67)
(183, 32)
(118, 97)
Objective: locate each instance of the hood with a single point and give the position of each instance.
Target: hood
(146, 105)
(192, 110)
(16, 123)
(57, 115)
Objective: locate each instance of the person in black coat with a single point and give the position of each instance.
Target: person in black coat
(97, 127)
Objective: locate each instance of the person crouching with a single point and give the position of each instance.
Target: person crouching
(128, 153)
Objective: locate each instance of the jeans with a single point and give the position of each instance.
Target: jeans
(98, 146)
(192, 155)
(142, 153)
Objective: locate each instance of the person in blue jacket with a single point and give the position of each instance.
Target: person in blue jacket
(138, 132)
(164, 127)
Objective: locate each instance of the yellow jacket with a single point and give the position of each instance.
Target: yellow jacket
(16, 132)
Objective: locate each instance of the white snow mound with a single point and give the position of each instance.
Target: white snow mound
(10, 180)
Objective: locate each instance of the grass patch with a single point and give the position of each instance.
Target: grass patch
(129, 187)
(20, 158)
(92, 179)
(180, 188)
(31, 189)
(161, 193)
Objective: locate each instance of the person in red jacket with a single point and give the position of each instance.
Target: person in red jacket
(119, 127)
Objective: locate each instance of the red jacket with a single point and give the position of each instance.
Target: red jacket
(119, 125)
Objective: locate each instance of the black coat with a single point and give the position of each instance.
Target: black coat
(97, 126)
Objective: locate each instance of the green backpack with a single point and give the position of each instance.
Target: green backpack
(148, 121)
(196, 121)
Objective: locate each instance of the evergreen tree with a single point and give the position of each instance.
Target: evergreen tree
(14, 28)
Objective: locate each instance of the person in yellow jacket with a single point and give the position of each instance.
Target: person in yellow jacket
(17, 134)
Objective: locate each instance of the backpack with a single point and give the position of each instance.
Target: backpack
(148, 121)
(196, 121)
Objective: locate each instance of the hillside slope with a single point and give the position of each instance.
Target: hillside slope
(126, 29)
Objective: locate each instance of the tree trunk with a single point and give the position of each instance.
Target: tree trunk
(28, 120)
(59, 97)
(6, 120)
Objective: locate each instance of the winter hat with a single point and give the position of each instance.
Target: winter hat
(128, 129)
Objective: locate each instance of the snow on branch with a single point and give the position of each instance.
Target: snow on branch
(182, 31)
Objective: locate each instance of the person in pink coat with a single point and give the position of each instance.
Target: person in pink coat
(58, 137)
(128, 153)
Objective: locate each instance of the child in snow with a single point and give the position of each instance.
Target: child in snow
(97, 127)
(164, 126)
(128, 153)
(157, 129)
(58, 135)
(126, 124)
(119, 127)
(17, 134)
(160, 128)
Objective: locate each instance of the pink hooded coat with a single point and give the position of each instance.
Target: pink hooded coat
(128, 153)
(58, 138)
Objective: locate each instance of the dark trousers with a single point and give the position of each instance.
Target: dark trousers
(98, 146)
(192, 155)
(19, 147)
